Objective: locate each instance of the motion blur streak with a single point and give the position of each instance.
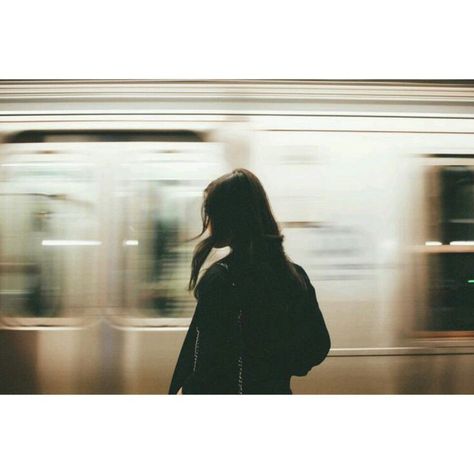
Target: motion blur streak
(100, 191)
(52, 243)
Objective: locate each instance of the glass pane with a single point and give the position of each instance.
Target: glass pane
(49, 237)
(457, 203)
(450, 293)
(160, 199)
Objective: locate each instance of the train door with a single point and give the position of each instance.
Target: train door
(155, 208)
(51, 247)
(93, 245)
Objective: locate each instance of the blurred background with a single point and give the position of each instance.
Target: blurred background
(101, 183)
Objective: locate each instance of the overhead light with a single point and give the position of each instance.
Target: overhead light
(70, 243)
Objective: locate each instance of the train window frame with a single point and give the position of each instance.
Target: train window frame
(135, 317)
(432, 164)
(30, 153)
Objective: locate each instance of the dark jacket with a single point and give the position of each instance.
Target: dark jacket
(246, 337)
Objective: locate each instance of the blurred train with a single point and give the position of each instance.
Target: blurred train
(101, 185)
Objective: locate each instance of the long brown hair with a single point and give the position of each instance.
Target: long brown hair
(237, 212)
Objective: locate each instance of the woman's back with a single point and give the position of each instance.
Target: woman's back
(256, 321)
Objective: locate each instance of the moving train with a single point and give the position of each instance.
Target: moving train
(101, 184)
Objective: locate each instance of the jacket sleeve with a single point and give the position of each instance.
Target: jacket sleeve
(309, 343)
(212, 337)
(184, 365)
(217, 344)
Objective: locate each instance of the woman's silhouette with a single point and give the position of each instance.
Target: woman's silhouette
(257, 321)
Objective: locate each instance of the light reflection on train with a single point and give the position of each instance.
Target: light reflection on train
(94, 257)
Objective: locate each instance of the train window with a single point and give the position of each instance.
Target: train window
(49, 236)
(449, 246)
(160, 196)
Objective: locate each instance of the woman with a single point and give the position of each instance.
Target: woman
(257, 321)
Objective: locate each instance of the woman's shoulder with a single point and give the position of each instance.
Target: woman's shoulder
(303, 276)
(215, 278)
(298, 267)
(300, 270)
